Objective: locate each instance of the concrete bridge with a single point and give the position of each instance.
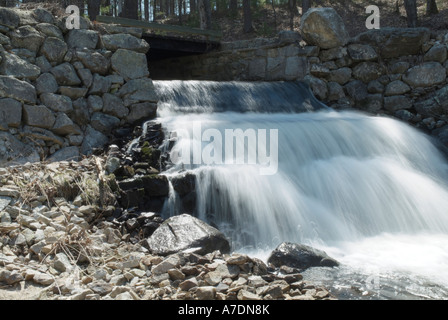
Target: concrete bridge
(170, 41)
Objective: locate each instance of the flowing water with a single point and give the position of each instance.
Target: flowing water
(370, 191)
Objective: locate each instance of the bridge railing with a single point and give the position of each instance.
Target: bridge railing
(210, 35)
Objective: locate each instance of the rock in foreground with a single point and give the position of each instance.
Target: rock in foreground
(300, 256)
(184, 232)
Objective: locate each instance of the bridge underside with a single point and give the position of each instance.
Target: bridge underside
(166, 47)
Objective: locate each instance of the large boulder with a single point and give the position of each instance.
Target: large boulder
(395, 42)
(425, 75)
(183, 232)
(300, 256)
(324, 27)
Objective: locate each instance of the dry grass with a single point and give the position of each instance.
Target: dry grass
(46, 182)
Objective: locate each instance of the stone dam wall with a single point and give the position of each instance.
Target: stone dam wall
(62, 92)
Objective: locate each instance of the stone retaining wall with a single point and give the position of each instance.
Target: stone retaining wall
(62, 92)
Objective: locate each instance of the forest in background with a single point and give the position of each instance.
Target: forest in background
(244, 19)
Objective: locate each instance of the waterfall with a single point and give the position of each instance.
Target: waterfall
(370, 190)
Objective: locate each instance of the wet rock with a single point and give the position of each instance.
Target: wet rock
(155, 185)
(300, 256)
(184, 184)
(184, 232)
(141, 111)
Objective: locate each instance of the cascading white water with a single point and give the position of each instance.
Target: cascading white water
(370, 191)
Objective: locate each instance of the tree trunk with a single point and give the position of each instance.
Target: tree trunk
(130, 9)
(193, 6)
(247, 16)
(233, 6)
(306, 5)
(172, 6)
(411, 12)
(205, 14)
(154, 11)
(431, 7)
(180, 2)
(146, 9)
(93, 7)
